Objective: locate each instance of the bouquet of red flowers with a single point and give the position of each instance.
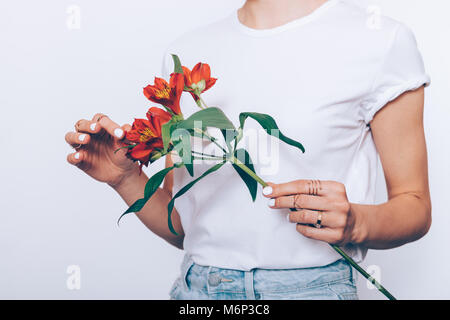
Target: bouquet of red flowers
(166, 130)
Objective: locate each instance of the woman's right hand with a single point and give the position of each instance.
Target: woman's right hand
(95, 142)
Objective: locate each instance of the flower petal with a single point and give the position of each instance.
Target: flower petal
(158, 117)
(160, 83)
(163, 115)
(141, 152)
(187, 76)
(177, 87)
(209, 83)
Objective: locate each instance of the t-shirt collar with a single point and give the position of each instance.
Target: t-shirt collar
(292, 24)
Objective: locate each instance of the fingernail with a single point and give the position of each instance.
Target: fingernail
(93, 126)
(271, 202)
(82, 137)
(267, 190)
(77, 155)
(118, 133)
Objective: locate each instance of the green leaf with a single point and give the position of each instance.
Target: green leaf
(251, 183)
(135, 207)
(177, 64)
(210, 117)
(184, 190)
(184, 148)
(150, 188)
(229, 135)
(269, 124)
(166, 130)
(155, 181)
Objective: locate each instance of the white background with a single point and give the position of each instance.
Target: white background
(53, 216)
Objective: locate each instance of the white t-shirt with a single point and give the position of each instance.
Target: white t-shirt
(322, 78)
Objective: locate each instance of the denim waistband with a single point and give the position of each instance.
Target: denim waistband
(251, 284)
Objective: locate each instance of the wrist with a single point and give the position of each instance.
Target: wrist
(360, 226)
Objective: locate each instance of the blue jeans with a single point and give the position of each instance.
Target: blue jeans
(335, 281)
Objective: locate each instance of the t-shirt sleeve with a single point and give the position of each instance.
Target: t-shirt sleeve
(402, 70)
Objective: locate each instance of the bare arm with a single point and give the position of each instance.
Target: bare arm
(406, 216)
(96, 141)
(399, 136)
(154, 214)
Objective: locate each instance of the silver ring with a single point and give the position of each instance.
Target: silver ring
(100, 117)
(318, 223)
(294, 202)
(77, 125)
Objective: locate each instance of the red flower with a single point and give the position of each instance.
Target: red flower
(146, 135)
(167, 94)
(199, 79)
(143, 152)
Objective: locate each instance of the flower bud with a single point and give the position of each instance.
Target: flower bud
(155, 156)
(201, 85)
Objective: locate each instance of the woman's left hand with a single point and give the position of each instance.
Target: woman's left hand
(320, 203)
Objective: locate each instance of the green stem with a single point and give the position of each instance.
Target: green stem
(338, 249)
(207, 158)
(248, 171)
(202, 101)
(212, 139)
(206, 154)
(199, 104)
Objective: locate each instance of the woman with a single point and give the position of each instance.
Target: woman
(349, 90)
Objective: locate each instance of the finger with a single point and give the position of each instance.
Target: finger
(77, 138)
(304, 216)
(87, 126)
(329, 235)
(316, 187)
(111, 127)
(75, 158)
(126, 128)
(300, 201)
